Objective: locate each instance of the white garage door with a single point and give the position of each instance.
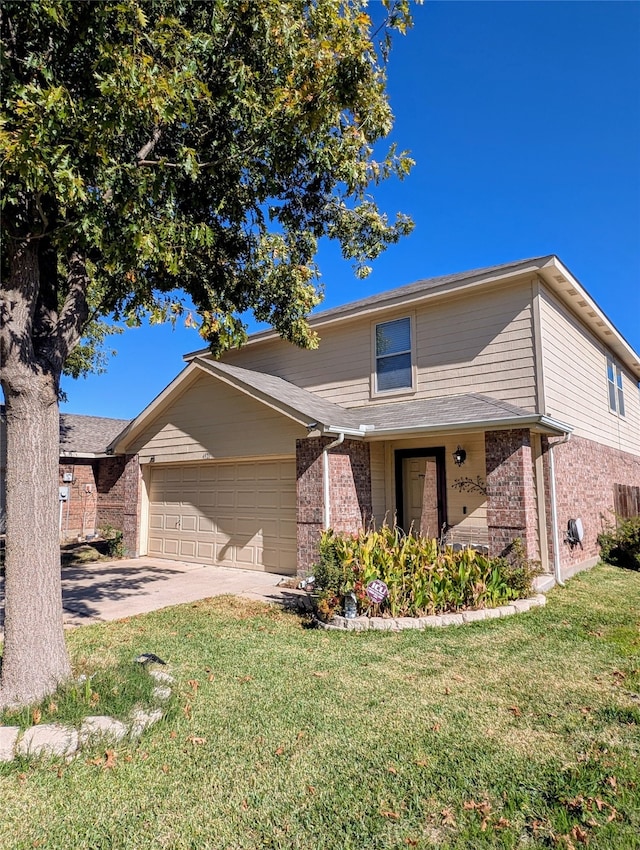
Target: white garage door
(237, 514)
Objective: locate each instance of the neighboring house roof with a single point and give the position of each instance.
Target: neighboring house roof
(86, 436)
(550, 268)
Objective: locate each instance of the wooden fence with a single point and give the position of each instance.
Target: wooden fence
(626, 500)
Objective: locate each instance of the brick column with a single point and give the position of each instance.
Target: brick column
(132, 477)
(511, 502)
(110, 487)
(349, 492)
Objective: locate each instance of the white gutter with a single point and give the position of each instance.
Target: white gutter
(325, 478)
(557, 572)
(349, 432)
(544, 423)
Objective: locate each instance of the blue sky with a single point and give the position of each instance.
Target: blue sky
(524, 121)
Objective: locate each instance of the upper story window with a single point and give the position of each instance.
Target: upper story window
(614, 381)
(393, 355)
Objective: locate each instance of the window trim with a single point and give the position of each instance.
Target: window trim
(398, 391)
(615, 386)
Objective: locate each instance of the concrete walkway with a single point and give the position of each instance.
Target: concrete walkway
(103, 591)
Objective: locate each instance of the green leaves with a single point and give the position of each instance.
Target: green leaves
(153, 138)
(421, 576)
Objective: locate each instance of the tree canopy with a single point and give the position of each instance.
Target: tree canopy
(206, 147)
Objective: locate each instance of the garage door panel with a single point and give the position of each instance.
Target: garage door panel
(156, 546)
(270, 471)
(246, 528)
(205, 525)
(238, 514)
(288, 500)
(226, 499)
(205, 551)
(189, 523)
(171, 546)
(246, 499)
(246, 556)
(270, 528)
(287, 529)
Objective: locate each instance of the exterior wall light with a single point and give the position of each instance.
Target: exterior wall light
(459, 456)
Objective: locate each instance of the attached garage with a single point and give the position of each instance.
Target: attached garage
(231, 514)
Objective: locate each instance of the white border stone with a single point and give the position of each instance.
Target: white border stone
(392, 624)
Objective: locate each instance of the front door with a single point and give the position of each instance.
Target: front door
(420, 491)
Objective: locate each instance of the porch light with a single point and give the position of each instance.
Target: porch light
(459, 456)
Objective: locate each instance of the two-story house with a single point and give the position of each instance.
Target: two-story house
(487, 405)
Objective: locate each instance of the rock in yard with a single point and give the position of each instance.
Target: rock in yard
(50, 739)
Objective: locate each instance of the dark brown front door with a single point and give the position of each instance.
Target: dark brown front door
(420, 491)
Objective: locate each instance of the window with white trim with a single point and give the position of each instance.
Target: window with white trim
(393, 355)
(614, 382)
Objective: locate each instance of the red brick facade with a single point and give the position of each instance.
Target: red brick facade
(132, 485)
(79, 512)
(110, 488)
(511, 496)
(349, 492)
(586, 473)
(96, 495)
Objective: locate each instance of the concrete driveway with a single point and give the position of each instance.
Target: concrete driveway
(102, 591)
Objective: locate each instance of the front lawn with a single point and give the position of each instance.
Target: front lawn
(514, 733)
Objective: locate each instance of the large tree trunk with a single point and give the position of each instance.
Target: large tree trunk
(35, 658)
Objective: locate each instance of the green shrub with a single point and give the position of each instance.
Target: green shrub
(620, 544)
(422, 577)
(517, 570)
(114, 540)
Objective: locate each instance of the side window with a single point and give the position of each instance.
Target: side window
(393, 355)
(614, 382)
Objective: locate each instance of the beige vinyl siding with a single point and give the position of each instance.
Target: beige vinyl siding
(575, 380)
(211, 420)
(339, 370)
(480, 342)
(378, 497)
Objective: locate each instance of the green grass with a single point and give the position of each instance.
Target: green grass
(514, 733)
(114, 690)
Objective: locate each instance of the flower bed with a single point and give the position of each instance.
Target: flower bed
(423, 578)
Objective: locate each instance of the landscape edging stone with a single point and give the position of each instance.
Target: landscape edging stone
(398, 624)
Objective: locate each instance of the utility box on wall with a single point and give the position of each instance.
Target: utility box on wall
(64, 494)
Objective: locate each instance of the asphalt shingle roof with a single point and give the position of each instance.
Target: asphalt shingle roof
(301, 400)
(90, 434)
(461, 409)
(427, 284)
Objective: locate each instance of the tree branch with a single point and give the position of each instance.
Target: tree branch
(75, 311)
(145, 150)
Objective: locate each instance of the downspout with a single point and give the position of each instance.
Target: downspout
(325, 478)
(557, 572)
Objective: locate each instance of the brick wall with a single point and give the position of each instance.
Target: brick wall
(132, 483)
(80, 510)
(586, 475)
(96, 495)
(309, 501)
(110, 490)
(349, 492)
(511, 498)
(350, 486)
